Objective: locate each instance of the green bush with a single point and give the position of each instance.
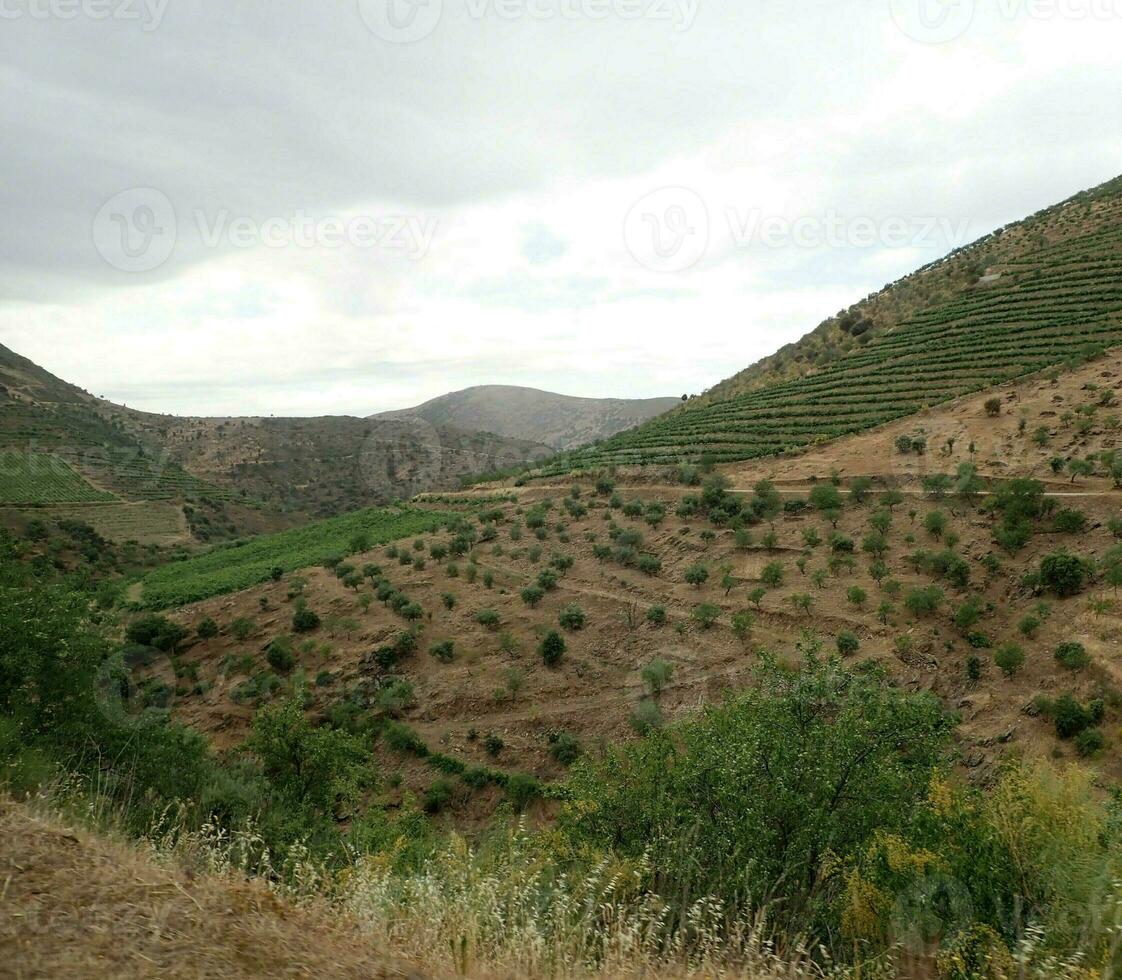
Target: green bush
(571, 617)
(1072, 655)
(1010, 658)
(552, 648)
(769, 818)
(1064, 574)
(847, 643)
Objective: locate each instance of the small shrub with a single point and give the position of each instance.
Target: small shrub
(1010, 658)
(1072, 655)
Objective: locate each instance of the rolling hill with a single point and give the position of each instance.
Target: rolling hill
(166, 478)
(1033, 294)
(559, 421)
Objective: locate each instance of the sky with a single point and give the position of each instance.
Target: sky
(282, 207)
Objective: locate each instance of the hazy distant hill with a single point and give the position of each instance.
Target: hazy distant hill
(561, 421)
(222, 468)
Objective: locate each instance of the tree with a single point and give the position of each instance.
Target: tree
(993, 407)
(859, 488)
(571, 617)
(206, 629)
(656, 675)
(825, 497)
(1080, 468)
(656, 615)
(532, 595)
(1010, 658)
(697, 575)
(756, 596)
(743, 764)
(552, 648)
(935, 523)
(304, 620)
(742, 623)
(317, 769)
(156, 631)
(706, 614)
(1064, 574)
(857, 595)
(803, 601)
(772, 574)
(847, 643)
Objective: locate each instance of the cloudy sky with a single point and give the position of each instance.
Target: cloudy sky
(239, 207)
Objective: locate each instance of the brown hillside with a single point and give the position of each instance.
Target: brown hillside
(496, 683)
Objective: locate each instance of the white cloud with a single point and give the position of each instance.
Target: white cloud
(522, 145)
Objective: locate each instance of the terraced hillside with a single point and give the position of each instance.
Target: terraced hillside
(1040, 293)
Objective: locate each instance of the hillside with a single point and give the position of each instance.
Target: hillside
(899, 595)
(559, 421)
(1033, 294)
(169, 479)
(139, 918)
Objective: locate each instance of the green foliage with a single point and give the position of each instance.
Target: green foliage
(1072, 655)
(156, 631)
(1010, 658)
(1064, 574)
(769, 817)
(234, 567)
(696, 575)
(705, 614)
(552, 648)
(656, 675)
(847, 643)
(532, 595)
(571, 617)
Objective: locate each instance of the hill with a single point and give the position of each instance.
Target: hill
(559, 421)
(1033, 294)
(170, 479)
(733, 568)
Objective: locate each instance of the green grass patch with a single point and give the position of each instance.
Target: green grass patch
(43, 478)
(229, 568)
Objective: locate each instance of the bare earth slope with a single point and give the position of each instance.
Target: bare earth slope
(560, 421)
(494, 682)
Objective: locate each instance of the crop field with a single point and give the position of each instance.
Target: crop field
(1054, 303)
(143, 478)
(234, 567)
(43, 478)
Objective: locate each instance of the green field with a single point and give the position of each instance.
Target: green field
(234, 567)
(43, 478)
(1054, 301)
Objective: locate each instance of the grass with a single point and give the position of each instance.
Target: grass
(43, 478)
(231, 568)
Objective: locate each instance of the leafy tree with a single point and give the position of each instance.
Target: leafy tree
(771, 821)
(489, 618)
(847, 643)
(825, 497)
(206, 629)
(532, 595)
(756, 596)
(552, 648)
(305, 620)
(772, 574)
(935, 523)
(444, 651)
(1072, 655)
(706, 614)
(1064, 574)
(656, 615)
(1010, 658)
(571, 617)
(156, 631)
(1080, 468)
(697, 575)
(656, 675)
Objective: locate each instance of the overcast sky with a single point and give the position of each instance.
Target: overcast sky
(296, 207)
